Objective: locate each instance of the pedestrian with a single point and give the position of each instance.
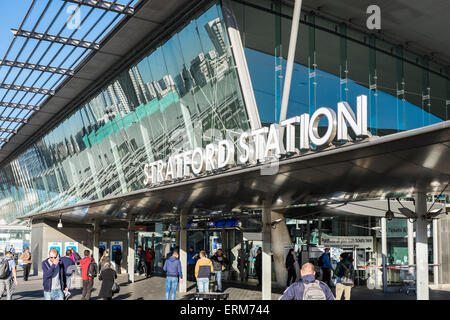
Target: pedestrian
(258, 266)
(344, 274)
(87, 275)
(8, 275)
(203, 269)
(12, 250)
(152, 265)
(107, 277)
(172, 267)
(53, 277)
(308, 288)
(141, 260)
(26, 260)
(325, 265)
(105, 258)
(69, 269)
(290, 266)
(76, 256)
(148, 261)
(219, 261)
(191, 260)
(117, 255)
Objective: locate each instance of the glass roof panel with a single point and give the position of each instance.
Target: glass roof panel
(57, 18)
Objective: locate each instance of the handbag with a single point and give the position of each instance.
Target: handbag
(115, 288)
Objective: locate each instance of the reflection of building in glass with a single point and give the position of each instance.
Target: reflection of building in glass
(142, 92)
(216, 34)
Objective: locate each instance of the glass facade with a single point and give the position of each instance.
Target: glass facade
(182, 95)
(185, 94)
(335, 63)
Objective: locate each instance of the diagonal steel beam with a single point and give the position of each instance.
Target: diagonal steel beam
(19, 106)
(12, 119)
(38, 67)
(105, 5)
(57, 39)
(8, 130)
(26, 89)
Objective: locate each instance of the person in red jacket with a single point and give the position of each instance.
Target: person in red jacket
(88, 282)
(148, 261)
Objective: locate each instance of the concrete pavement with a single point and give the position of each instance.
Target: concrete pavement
(154, 289)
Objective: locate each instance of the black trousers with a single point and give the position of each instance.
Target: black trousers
(191, 272)
(87, 288)
(26, 271)
(291, 275)
(326, 272)
(148, 267)
(259, 275)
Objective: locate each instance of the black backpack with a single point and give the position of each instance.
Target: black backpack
(92, 269)
(4, 268)
(320, 263)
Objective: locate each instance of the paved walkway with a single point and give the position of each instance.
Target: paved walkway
(154, 289)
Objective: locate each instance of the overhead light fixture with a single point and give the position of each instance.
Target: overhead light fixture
(60, 225)
(389, 213)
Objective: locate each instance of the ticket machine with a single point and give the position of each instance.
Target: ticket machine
(114, 246)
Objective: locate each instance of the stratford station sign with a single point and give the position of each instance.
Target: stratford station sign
(265, 144)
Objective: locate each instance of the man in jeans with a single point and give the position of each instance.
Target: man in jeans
(7, 283)
(219, 261)
(53, 277)
(203, 268)
(172, 267)
(88, 282)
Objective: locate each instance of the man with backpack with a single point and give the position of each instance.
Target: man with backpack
(308, 288)
(7, 273)
(69, 270)
(88, 273)
(344, 274)
(325, 265)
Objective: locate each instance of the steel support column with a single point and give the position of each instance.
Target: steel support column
(384, 252)
(266, 252)
(290, 59)
(183, 248)
(421, 247)
(96, 233)
(411, 247)
(435, 253)
(130, 261)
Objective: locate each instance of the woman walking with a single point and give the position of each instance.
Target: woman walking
(105, 259)
(107, 277)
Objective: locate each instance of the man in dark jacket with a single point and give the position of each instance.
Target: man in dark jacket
(172, 267)
(191, 260)
(258, 266)
(326, 267)
(219, 260)
(308, 288)
(53, 277)
(290, 266)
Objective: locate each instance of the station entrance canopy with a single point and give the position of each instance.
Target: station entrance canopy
(398, 165)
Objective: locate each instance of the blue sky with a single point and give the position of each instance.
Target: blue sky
(45, 53)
